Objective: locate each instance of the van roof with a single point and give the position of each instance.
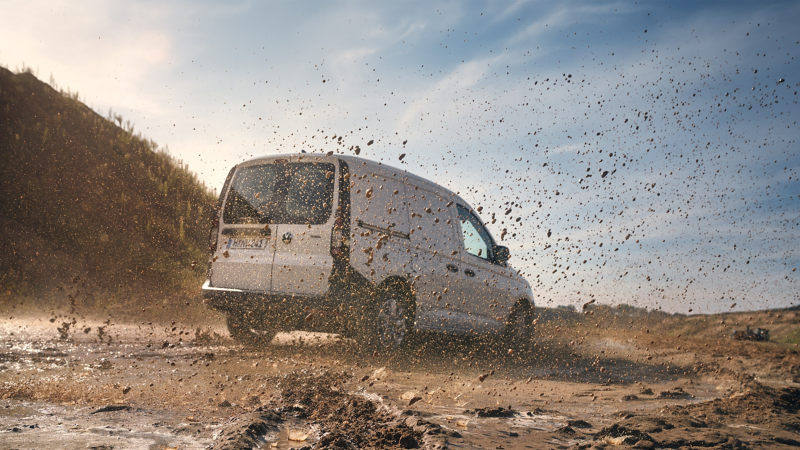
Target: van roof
(383, 169)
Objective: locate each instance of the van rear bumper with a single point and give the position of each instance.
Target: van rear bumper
(324, 314)
(227, 299)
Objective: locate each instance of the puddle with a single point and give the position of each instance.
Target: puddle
(29, 425)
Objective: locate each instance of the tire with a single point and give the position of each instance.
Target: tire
(518, 333)
(244, 331)
(390, 321)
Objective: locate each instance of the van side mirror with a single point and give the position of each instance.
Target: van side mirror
(501, 254)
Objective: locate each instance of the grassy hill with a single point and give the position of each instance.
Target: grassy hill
(90, 211)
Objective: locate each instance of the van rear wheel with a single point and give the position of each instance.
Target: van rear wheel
(244, 331)
(391, 320)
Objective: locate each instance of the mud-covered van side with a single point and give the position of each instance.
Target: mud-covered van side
(351, 246)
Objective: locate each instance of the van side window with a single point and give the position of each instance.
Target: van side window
(476, 239)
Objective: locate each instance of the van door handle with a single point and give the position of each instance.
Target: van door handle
(469, 272)
(452, 268)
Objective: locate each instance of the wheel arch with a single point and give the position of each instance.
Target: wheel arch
(396, 281)
(399, 282)
(519, 300)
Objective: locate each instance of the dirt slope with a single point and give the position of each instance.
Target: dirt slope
(83, 199)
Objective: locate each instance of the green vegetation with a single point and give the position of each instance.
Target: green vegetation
(87, 203)
(793, 337)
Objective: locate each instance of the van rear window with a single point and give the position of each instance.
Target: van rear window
(296, 193)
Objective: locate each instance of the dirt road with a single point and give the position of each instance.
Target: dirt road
(160, 386)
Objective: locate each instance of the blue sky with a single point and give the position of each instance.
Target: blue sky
(516, 105)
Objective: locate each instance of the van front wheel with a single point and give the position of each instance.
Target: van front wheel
(518, 334)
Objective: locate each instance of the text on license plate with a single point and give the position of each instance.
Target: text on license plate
(247, 244)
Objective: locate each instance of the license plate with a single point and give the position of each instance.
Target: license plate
(247, 244)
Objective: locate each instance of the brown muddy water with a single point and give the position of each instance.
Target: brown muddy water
(95, 385)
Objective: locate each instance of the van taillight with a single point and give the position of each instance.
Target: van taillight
(214, 232)
(338, 239)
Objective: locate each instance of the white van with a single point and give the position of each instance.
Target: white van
(342, 244)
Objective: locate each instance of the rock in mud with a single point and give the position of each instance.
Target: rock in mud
(647, 424)
(721, 443)
(566, 430)
(414, 400)
(246, 431)
(577, 423)
(493, 412)
(786, 441)
(112, 408)
(619, 435)
(675, 394)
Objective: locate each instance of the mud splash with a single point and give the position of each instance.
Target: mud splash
(329, 417)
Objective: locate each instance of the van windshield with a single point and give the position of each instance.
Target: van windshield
(296, 193)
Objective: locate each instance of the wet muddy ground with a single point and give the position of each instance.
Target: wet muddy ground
(96, 385)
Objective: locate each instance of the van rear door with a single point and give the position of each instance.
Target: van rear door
(243, 258)
(304, 220)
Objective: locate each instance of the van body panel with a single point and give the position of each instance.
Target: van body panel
(240, 267)
(379, 220)
(245, 251)
(434, 248)
(302, 263)
(489, 285)
(303, 260)
(290, 201)
(488, 290)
